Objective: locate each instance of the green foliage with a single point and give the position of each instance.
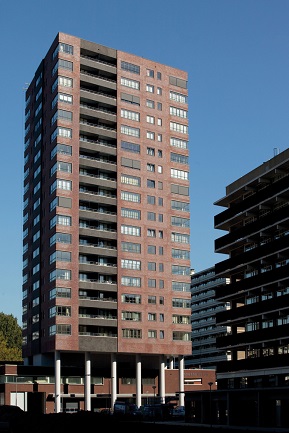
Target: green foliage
(10, 338)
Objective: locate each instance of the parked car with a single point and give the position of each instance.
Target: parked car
(179, 412)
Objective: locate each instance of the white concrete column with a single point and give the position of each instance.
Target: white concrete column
(181, 381)
(162, 382)
(171, 362)
(113, 381)
(87, 382)
(138, 380)
(57, 392)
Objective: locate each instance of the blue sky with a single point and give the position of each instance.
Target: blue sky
(236, 53)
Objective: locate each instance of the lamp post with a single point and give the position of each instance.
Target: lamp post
(210, 385)
(17, 377)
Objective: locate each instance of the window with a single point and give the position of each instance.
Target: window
(150, 119)
(174, 111)
(159, 91)
(150, 88)
(130, 230)
(152, 283)
(178, 286)
(180, 270)
(181, 303)
(61, 256)
(130, 213)
(131, 247)
(161, 267)
(150, 104)
(181, 159)
(151, 199)
(150, 135)
(61, 114)
(180, 237)
(177, 142)
(179, 174)
(151, 167)
(59, 310)
(151, 183)
(160, 138)
(64, 238)
(62, 97)
(159, 106)
(131, 264)
(128, 114)
(183, 129)
(130, 180)
(131, 333)
(180, 254)
(151, 216)
(152, 299)
(60, 274)
(63, 48)
(61, 132)
(131, 99)
(180, 222)
(62, 81)
(181, 336)
(150, 73)
(130, 83)
(61, 184)
(128, 130)
(60, 292)
(61, 220)
(160, 201)
(130, 299)
(130, 196)
(152, 333)
(131, 281)
(130, 147)
(180, 206)
(150, 151)
(179, 82)
(63, 149)
(178, 97)
(161, 284)
(152, 317)
(152, 266)
(65, 167)
(60, 329)
(151, 233)
(130, 67)
(151, 249)
(131, 315)
(161, 218)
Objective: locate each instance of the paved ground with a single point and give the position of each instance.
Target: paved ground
(84, 421)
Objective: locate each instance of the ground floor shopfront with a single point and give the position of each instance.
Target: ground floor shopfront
(268, 408)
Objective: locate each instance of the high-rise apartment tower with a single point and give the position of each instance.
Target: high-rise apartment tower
(106, 266)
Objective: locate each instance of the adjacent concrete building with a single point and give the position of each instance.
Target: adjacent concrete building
(256, 222)
(205, 353)
(106, 260)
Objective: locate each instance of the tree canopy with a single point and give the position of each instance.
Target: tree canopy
(10, 338)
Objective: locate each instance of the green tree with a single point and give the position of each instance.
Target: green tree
(10, 338)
